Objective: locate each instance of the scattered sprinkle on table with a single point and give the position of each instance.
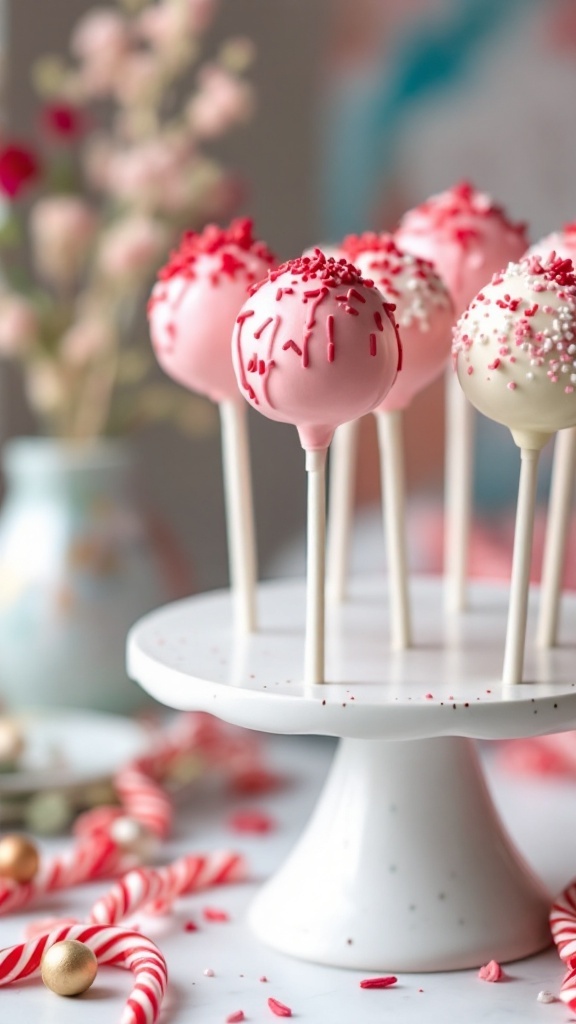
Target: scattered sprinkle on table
(215, 914)
(235, 1018)
(491, 972)
(250, 821)
(190, 926)
(546, 997)
(278, 1008)
(379, 982)
(208, 973)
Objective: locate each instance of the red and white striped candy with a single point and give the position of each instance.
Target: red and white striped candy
(144, 799)
(86, 862)
(568, 990)
(563, 924)
(156, 888)
(116, 947)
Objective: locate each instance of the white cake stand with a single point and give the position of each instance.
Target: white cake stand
(404, 865)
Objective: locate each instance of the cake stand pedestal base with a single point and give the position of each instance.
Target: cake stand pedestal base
(404, 866)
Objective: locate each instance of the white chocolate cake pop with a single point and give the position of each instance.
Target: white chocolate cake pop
(515, 349)
(562, 242)
(193, 306)
(465, 235)
(424, 311)
(316, 345)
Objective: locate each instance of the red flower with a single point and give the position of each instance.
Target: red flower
(63, 121)
(19, 166)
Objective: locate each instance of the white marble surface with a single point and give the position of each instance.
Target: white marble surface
(539, 815)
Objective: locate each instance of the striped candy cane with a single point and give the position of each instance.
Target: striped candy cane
(563, 927)
(155, 889)
(116, 947)
(87, 862)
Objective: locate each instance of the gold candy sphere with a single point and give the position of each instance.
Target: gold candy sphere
(19, 858)
(68, 968)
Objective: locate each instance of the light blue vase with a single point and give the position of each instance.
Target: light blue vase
(77, 568)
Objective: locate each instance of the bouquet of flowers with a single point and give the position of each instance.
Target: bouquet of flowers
(122, 168)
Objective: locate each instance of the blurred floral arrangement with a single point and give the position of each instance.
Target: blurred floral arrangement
(122, 168)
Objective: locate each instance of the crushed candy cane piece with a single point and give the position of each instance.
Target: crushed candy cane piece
(491, 971)
(256, 822)
(215, 914)
(235, 1018)
(379, 982)
(545, 997)
(278, 1008)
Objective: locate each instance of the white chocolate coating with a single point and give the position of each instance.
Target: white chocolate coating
(515, 349)
(315, 345)
(423, 311)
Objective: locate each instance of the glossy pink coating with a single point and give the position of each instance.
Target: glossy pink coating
(194, 304)
(424, 311)
(465, 235)
(562, 242)
(316, 345)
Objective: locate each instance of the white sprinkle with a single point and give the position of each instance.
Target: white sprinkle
(208, 973)
(545, 997)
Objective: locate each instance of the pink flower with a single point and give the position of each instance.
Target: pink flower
(131, 248)
(164, 25)
(200, 13)
(62, 229)
(145, 174)
(18, 325)
(86, 340)
(101, 34)
(222, 102)
(100, 41)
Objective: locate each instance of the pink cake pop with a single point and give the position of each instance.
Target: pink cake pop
(465, 235)
(423, 310)
(467, 238)
(515, 356)
(315, 345)
(562, 243)
(192, 312)
(193, 306)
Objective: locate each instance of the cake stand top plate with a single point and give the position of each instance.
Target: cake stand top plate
(187, 656)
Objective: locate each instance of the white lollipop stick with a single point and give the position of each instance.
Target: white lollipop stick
(393, 503)
(524, 529)
(561, 491)
(343, 456)
(314, 644)
(239, 512)
(458, 472)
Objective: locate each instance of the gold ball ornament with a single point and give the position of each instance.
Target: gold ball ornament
(19, 858)
(68, 968)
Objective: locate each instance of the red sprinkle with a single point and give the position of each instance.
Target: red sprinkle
(429, 696)
(235, 1018)
(252, 821)
(278, 1008)
(379, 982)
(214, 914)
(263, 978)
(190, 926)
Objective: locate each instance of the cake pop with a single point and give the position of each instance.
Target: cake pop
(424, 314)
(468, 238)
(515, 356)
(192, 311)
(562, 243)
(193, 306)
(315, 345)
